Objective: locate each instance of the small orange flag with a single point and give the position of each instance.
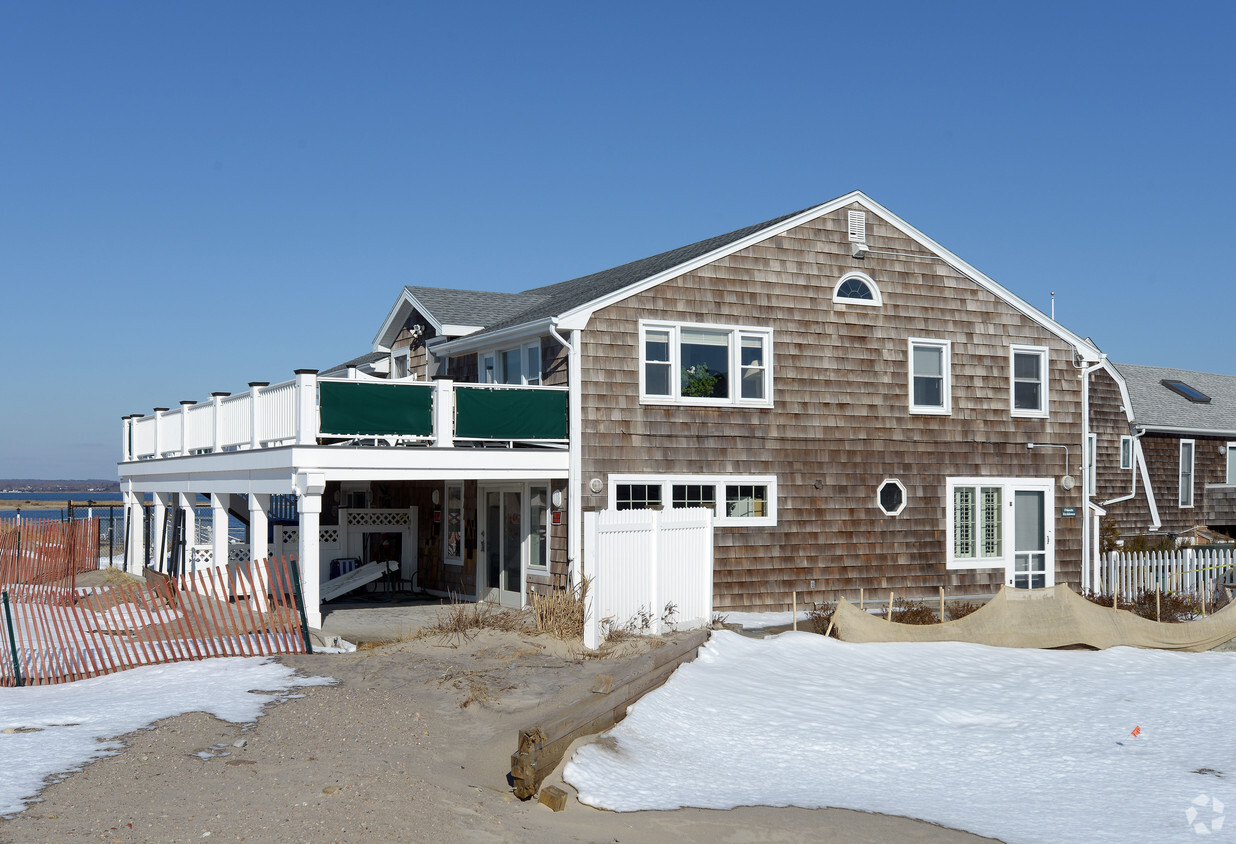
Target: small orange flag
(1137, 731)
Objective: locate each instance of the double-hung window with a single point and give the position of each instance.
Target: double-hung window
(705, 364)
(1231, 463)
(1126, 453)
(736, 500)
(1186, 473)
(930, 379)
(1028, 381)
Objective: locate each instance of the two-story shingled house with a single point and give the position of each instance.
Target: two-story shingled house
(1162, 445)
(859, 408)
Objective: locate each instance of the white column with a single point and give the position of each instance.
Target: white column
(218, 529)
(134, 531)
(259, 519)
(309, 489)
(444, 413)
(189, 517)
(126, 425)
(158, 431)
(306, 407)
(216, 415)
(259, 510)
(162, 501)
(185, 404)
(255, 412)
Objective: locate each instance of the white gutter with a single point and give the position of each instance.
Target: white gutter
(490, 339)
(575, 459)
(1192, 432)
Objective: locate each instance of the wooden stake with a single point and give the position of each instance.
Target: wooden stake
(794, 607)
(890, 607)
(831, 619)
(941, 604)
(861, 606)
(1157, 614)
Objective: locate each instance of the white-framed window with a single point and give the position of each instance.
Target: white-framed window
(1126, 452)
(453, 526)
(981, 519)
(538, 527)
(930, 376)
(735, 500)
(400, 363)
(520, 365)
(1186, 473)
(1028, 380)
(891, 497)
(1092, 448)
(857, 289)
(692, 363)
(1231, 463)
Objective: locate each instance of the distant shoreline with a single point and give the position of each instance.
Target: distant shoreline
(10, 504)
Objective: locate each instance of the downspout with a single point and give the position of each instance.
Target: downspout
(1140, 457)
(1085, 473)
(1132, 472)
(575, 511)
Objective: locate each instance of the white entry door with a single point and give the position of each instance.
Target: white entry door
(1033, 564)
(501, 546)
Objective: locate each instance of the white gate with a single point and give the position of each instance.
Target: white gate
(1189, 571)
(640, 564)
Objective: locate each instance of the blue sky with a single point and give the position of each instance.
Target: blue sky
(198, 195)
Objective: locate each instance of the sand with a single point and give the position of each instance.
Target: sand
(412, 744)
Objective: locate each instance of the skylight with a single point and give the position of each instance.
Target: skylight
(1191, 393)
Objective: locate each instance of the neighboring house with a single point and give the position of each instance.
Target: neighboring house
(1163, 450)
(860, 409)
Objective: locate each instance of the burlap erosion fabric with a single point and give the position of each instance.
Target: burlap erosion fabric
(1044, 618)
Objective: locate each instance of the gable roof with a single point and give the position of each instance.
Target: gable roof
(571, 303)
(1155, 407)
(472, 307)
(363, 360)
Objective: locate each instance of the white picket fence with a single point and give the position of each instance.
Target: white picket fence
(1184, 570)
(640, 562)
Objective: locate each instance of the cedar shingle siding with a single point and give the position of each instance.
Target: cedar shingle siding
(840, 424)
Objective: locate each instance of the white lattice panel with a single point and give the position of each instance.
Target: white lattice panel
(199, 556)
(290, 534)
(379, 518)
(329, 536)
(238, 553)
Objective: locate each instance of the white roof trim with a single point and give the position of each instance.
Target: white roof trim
(579, 317)
(395, 319)
(496, 339)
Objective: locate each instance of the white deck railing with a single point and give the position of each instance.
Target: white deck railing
(290, 414)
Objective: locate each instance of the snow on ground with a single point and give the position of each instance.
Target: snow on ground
(46, 731)
(1021, 745)
(761, 620)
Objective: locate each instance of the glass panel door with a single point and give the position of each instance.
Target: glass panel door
(1030, 539)
(503, 542)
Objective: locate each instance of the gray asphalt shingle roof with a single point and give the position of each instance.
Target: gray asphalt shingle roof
(371, 357)
(502, 310)
(1156, 406)
(473, 307)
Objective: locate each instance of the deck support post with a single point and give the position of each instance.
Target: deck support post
(218, 530)
(134, 531)
(309, 489)
(159, 538)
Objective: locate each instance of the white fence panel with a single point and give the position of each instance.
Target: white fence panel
(277, 410)
(236, 420)
(1185, 570)
(640, 562)
(199, 427)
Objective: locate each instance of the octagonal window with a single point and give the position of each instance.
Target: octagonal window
(891, 497)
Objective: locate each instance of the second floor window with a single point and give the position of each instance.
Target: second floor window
(1029, 381)
(705, 364)
(1186, 473)
(930, 380)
